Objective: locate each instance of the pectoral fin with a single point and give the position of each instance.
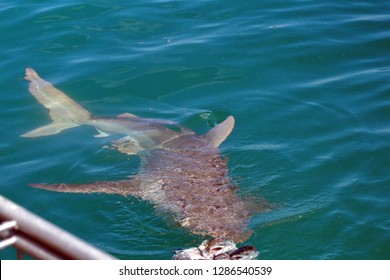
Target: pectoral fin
(123, 187)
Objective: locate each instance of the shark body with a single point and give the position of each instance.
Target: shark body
(181, 172)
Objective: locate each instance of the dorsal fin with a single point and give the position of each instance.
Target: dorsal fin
(219, 133)
(126, 115)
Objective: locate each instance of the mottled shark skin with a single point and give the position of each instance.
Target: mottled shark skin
(181, 172)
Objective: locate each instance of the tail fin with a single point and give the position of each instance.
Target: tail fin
(64, 111)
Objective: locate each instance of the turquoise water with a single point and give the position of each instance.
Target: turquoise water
(307, 81)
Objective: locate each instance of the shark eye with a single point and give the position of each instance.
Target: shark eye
(243, 253)
(216, 249)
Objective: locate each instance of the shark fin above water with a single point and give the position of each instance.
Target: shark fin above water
(219, 133)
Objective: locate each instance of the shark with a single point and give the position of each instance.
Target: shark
(181, 172)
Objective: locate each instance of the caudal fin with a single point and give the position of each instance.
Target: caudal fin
(64, 111)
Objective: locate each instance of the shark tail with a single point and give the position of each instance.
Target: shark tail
(64, 112)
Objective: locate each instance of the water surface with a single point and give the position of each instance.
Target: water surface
(307, 81)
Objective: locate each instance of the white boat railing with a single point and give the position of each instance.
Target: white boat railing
(32, 235)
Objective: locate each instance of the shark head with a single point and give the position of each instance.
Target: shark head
(217, 249)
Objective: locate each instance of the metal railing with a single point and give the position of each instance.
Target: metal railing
(40, 239)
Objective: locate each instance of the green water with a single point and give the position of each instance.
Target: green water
(307, 81)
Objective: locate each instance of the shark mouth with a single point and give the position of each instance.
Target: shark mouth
(215, 249)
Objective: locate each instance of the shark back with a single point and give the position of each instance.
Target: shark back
(188, 177)
(194, 185)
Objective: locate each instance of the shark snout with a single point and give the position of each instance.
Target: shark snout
(217, 249)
